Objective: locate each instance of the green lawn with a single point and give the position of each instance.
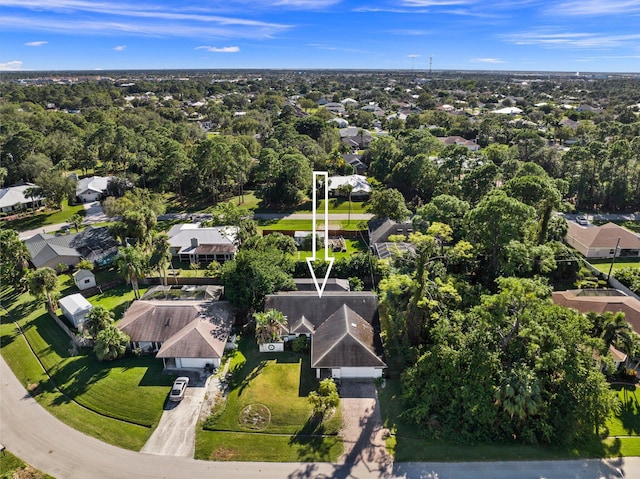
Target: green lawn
(306, 225)
(33, 221)
(353, 247)
(119, 402)
(281, 382)
(604, 265)
(10, 465)
(406, 442)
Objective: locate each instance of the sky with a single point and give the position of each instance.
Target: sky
(529, 35)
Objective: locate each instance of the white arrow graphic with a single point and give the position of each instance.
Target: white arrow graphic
(320, 288)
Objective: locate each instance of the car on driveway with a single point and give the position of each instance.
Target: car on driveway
(179, 388)
(582, 220)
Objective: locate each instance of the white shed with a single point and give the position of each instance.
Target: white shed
(84, 279)
(75, 307)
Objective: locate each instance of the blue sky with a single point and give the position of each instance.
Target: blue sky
(533, 35)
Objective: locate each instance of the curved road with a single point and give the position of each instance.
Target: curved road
(34, 435)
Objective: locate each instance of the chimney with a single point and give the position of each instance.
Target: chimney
(194, 242)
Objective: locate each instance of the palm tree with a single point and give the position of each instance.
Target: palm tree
(346, 190)
(76, 221)
(132, 263)
(269, 325)
(160, 255)
(43, 284)
(97, 320)
(111, 343)
(617, 332)
(32, 192)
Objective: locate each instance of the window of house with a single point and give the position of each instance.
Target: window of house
(87, 281)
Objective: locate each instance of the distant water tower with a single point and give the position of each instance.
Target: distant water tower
(430, 64)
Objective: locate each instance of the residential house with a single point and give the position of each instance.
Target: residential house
(184, 333)
(460, 141)
(355, 160)
(600, 301)
(91, 188)
(84, 279)
(343, 327)
(13, 198)
(95, 244)
(600, 241)
(379, 232)
(359, 184)
(332, 284)
(193, 244)
(355, 137)
(75, 308)
(509, 110)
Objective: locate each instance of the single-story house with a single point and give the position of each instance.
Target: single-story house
(91, 188)
(355, 160)
(75, 307)
(600, 301)
(84, 279)
(344, 330)
(471, 145)
(332, 284)
(381, 229)
(13, 198)
(600, 241)
(359, 184)
(186, 334)
(95, 244)
(193, 244)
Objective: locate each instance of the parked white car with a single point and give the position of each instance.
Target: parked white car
(179, 388)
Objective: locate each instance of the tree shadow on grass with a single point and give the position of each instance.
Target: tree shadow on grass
(630, 410)
(73, 381)
(311, 443)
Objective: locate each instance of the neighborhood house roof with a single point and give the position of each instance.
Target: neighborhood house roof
(13, 195)
(75, 304)
(83, 274)
(342, 324)
(595, 301)
(92, 243)
(94, 184)
(380, 229)
(189, 238)
(359, 183)
(188, 329)
(344, 339)
(605, 236)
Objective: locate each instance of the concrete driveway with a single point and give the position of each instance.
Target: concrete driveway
(175, 434)
(362, 432)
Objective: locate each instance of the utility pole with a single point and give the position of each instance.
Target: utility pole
(615, 252)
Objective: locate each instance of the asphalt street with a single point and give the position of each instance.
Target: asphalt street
(31, 433)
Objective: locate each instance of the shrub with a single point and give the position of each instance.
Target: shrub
(300, 344)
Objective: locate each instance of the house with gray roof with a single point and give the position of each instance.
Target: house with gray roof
(344, 330)
(95, 244)
(91, 188)
(193, 244)
(13, 198)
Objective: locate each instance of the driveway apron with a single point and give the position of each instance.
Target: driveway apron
(175, 434)
(363, 433)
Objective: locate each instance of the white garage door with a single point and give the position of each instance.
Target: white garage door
(197, 363)
(359, 373)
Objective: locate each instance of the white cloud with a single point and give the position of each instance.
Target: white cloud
(36, 44)
(312, 4)
(120, 48)
(596, 7)
(572, 40)
(487, 60)
(219, 49)
(435, 3)
(11, 66)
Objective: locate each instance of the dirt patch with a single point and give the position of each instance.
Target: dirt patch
(223, 454)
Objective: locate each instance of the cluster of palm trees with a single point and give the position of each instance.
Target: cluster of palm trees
(614, 331)
(137, 260)
(269, 325)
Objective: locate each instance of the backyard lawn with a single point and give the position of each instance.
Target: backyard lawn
(119, 402)
(267, 414)
(603, 265)
(407, 444)
(33, 221)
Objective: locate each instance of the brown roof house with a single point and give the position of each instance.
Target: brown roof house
(186, 334)
(600, 241)
(600, 301)
(343, 327)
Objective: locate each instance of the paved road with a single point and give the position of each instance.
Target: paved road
(31, 433)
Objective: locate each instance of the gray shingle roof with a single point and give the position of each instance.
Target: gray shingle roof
(345, 339)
